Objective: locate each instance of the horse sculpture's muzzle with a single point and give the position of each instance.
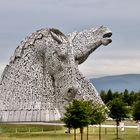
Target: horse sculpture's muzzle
(106, 38)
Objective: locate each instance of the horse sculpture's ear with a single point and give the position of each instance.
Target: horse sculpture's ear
(57, 35)
(72, 36)
(57, 32)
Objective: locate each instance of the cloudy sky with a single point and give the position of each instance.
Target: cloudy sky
(19, 18)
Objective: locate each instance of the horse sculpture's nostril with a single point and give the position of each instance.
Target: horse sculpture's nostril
(107, 35)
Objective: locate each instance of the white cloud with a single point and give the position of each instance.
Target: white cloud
(118, 62)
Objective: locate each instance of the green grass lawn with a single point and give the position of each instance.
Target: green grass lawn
(42, 132)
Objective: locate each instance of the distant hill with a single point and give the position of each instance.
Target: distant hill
(117, 82)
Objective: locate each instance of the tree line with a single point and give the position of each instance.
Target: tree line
(122, 105)
(129, 98)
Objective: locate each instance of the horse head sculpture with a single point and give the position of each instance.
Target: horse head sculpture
(43, 75)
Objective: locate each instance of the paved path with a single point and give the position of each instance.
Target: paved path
(115, 126)
(47, 123)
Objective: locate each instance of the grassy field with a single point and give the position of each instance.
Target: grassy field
(42, 132)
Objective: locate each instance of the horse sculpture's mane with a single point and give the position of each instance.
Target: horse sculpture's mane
(38, 35)
(30, 40)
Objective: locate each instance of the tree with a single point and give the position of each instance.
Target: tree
(118, 111)
(77, 115)
(136, 111)
(132, 98)
(99, 114)
(126, 97)
(109, 96)
(117, 95)
(103, 96)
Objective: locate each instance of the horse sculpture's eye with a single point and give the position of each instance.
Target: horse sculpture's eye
(62, 54)
(62, 57)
